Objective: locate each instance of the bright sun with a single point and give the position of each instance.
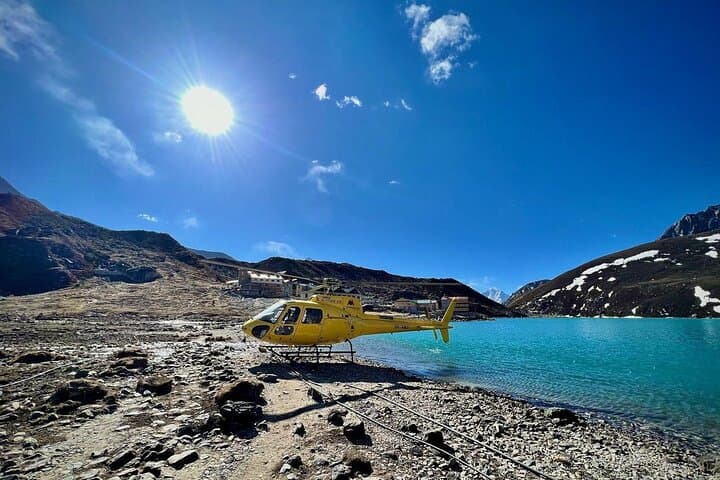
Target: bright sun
(207, 110)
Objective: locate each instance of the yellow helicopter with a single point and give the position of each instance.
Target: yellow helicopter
(329, 319)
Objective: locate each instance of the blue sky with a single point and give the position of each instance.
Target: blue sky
(494, 142)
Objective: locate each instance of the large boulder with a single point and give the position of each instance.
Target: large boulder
(156, 384)
(130, 352)
(436, 439)
(83, 391)
(121, 272)
(240, 414)
(562, 416)
(240, 391)
(131, 363)
(39, 356)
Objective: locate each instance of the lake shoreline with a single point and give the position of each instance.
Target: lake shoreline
(622, 421)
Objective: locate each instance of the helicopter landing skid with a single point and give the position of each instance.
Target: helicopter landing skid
(301, 353)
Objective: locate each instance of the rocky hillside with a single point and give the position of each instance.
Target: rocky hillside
(695, 223)
(42, 250)
(670, 277)
(381, 284)
(5, 187)
(525, 289)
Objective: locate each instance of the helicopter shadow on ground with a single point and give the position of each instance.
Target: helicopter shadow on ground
(330, 373)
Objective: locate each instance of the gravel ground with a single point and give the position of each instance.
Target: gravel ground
(156, 381)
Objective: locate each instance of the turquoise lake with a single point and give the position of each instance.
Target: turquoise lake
(664, 372)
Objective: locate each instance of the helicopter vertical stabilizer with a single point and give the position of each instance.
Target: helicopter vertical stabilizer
(447, 316)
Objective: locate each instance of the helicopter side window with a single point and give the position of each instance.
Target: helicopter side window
(284, 330)
(313, 315)
(291, 315)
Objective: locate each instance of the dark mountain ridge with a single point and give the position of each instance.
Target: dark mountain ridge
(669, 277)
(210, 254)
(525, 289)
(381, 284)
(707, 220)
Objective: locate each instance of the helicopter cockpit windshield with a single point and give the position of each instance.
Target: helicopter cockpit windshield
(271, 313)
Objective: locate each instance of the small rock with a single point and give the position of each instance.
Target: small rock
(299, 429)
(120, 459)
(341, 472)
(295, 461)
(392, 455)
(358, 464)
(181, 459)
(354, 430)
(268, 377)
(410, 427)
(316, 395)
(336, 417)
(435, 438)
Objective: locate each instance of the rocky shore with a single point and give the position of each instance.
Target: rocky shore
(130, 381)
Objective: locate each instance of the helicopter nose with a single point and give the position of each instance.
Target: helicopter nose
(256, 329)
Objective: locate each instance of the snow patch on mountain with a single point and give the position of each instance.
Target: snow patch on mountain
(705, 298)
(714, 238)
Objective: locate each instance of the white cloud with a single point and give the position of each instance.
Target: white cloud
(318, 172)
(100, 133)
(321, 92)
(441, 40)
(386, 103)
(441, 70)
(148, 217)
(279, 249)
(168, 136)
(449, 32)
(190, 222)
(418, 14)
(292, 76)
(22, 30)
(352, 100)
(405, 104)
(482, 283)
(394, 182)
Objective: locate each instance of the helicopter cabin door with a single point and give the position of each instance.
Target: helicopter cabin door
(309, 328)
(285, 328)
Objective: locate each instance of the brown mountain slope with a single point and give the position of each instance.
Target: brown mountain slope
(42, 250)
(671, 277)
